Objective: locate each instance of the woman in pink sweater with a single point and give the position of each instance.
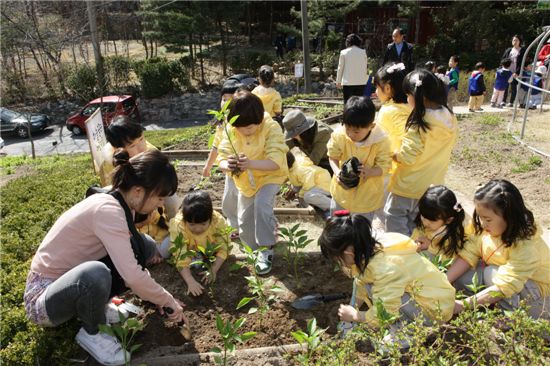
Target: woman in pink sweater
(93, 251)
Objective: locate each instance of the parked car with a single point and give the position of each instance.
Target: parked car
(12, 122)
(113, 105)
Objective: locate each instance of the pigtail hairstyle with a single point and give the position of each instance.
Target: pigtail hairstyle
(266, 74)
(422, 84)
(440, 203)
(197, 207)
(505, 199)
(151, 170)
(351, 230)
(392, 74)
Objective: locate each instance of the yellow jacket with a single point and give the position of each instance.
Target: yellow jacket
(267, 143)
(214, 234)
(307, 176)
(271, 99)
(106, 170)
(399, 269)
(423, 157)
(218, 136)
(525, 260)
(153, 229)
(392, 118)
(368, 196)
(436, 236)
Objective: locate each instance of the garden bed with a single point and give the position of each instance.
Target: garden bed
(273, 329)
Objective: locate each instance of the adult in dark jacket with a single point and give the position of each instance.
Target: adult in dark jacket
(399, 51)
(514, 53)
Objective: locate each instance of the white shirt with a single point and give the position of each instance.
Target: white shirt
(352, 67)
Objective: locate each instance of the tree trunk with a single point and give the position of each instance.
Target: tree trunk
(74, 55)
(152, 47)
(95, 42)
(203, 82)
(417, 26)
(114, 44)
(144, 42)
(224, 54)
(248, 23)
(191, 56)
(44, 73)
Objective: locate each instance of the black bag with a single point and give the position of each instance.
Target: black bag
(349, 174)
(118, 285)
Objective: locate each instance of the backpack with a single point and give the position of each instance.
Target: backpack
(474, 86)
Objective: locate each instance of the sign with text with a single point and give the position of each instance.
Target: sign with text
(97, 141)
(299, 70)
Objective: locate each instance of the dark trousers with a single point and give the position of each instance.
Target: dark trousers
(350, 90)
(513, 91)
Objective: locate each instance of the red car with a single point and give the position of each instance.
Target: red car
(113, 105)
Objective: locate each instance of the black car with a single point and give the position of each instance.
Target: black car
(17, 123)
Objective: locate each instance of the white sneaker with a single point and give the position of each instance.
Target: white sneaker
(113, 313)
(264, 261)
(105, 349)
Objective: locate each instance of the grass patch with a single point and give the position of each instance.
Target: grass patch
(165, 138)
(526, 166)
(490, 120)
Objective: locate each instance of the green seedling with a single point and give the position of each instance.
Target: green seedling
(441, 264)
(259, 288)
(229, 331)
(221, 116)
(125, 332)
(312, 340)
(296, 240)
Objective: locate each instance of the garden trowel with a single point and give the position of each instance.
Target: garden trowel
(310, 301)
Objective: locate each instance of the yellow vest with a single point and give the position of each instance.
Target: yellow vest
(214, 234)
(268, 143)
(399, 269)
(525, 260)
(368, 196)
(307, 176)
(153, 229)
(271, 100)
(423, 157)
(392, 118)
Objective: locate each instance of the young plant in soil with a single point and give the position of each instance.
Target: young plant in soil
(230, 336)
(296, 240)
(312, 339)
(221, 116)
(259, 288)
(441, 264)
(125, 332)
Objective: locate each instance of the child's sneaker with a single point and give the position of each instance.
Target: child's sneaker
(471, 110)
(104, 348)
(264, 261)
(479, 109)
(113, 313)
(493, 105)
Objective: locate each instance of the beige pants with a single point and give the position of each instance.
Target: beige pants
(475, 102)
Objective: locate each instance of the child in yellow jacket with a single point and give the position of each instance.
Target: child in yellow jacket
(439, 223)
(271, 99)
(254, 154)
(312, 181)
(360, 191)
(387, 270)
(199, 225)
(425, 151)
(506, 252)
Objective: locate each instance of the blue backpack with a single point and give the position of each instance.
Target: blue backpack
(474, 87)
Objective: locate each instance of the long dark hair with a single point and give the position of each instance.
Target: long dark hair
(122, 131)
(505, 200)
(440, 203)
(197, 207)
(352, 230)
(394, 79)
(151, 170)
(421, 84)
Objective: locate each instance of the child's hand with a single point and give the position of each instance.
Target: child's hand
(290, 195)
(194, 288)
(422, 243)
(232, 162)
(243, 162)
(459, 307)
(348, 313)
(208, 277)
(205, 172)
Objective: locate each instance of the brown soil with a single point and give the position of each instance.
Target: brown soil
(486, 151)
(198, 142)
(190, 176)
(276, 325)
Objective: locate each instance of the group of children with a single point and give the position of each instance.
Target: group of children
(389, 166)
(503, 78)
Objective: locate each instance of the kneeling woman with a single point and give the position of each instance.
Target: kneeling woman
(93, 250)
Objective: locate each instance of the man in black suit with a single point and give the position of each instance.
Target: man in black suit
(399, 50)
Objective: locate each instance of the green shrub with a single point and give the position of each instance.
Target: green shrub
(158, 76)
(117, 69)
(82, 82)
(250, 61)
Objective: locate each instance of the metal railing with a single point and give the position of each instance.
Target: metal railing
(539, 41)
